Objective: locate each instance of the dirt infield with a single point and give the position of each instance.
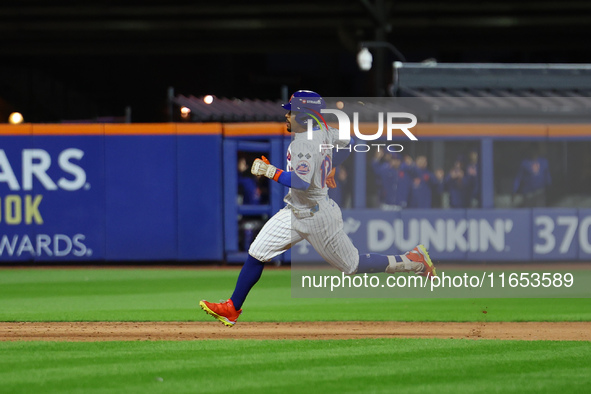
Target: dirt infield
(177, 331)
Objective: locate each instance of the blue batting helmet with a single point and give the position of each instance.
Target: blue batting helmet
(304, 102)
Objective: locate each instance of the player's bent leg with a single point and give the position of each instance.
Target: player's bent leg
(335, 247)
(274, 238)
(228, 311)
(338, 251)
(249, 275)
(325, 233)
(372, 262)
(415, 261)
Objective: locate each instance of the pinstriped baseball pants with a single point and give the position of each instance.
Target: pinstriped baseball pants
(324, 231)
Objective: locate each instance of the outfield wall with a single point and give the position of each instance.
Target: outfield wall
(470, 234)
(113, 192)
(165, 192)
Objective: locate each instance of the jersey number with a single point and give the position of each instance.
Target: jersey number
(326, 167)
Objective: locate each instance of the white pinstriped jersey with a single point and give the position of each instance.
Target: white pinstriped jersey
(306, 159)
(324, 229)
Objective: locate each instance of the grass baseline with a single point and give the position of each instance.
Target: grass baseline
(366, 365)
(173, 295)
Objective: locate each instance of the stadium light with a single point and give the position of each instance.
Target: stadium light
(185, 112)
(15, 118)
(364, 57)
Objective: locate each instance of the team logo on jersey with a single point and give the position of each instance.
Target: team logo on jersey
(303, 167)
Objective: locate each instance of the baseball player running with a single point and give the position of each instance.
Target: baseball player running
(309, 214)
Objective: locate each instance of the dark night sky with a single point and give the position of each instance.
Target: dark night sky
(76, 62)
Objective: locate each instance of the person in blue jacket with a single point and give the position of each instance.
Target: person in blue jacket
(424, 184)
(248, 187)
(533, 177)
(460, 185)
(393, 180)
(249, 193)
(342, 193)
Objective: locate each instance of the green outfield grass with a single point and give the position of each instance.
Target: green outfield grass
(173, 294)
(245, 366)
(352, 366)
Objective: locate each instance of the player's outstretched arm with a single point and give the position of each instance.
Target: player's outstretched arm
(265, 168)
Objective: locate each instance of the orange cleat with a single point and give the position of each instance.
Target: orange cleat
(420, 255)
(223, 311)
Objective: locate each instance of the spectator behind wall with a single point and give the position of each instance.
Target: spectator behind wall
(249, 193)
(533, 177)
(425, 184)
(248, 188)
(460, 185)
(342, 193)
(393, 180)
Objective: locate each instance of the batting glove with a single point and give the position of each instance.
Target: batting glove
(262, 166)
